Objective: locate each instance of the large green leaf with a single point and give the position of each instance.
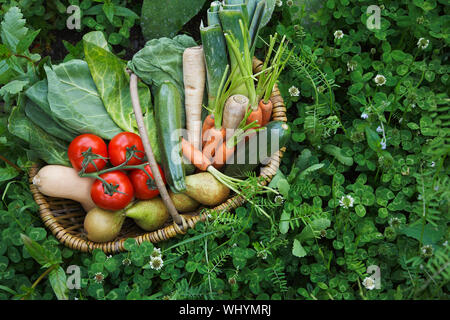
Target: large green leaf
(162, 60)
(166, 18)
(48, 148)
(74, 100)
(38, 93)
(113, 84)
(39, 118)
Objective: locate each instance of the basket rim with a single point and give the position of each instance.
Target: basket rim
(190, 220)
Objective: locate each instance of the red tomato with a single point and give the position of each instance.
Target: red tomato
(117, 195)
(143, 185)
(81, 144)
(120, 146)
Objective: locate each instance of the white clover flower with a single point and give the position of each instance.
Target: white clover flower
(423, 43)
(99, 277)
(346, 201)
(156, 253)
(279, 3)
(156, 263)
(394, 222)
(351, 65)
(294, 92)
(364, 115)
(427, 250)
(413, 105)
(369, 283)
(379, 129)
(279, 199)
(126, 262)
(379, 79)
(338, 34)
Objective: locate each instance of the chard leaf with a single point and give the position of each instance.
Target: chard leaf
(74, 100)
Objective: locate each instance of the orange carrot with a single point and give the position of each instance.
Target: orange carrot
(214, 138)
(194, 155)
(208, 123)
(256, 115)
(222, 155)
(266, 109)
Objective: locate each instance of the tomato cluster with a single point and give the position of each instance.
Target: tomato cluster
(114, 189)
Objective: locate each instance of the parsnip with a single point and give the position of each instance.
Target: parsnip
(234, 111)
(194, 75)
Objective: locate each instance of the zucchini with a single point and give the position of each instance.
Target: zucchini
(250, 154)
(168, 111)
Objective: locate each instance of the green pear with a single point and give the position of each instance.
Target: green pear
(183, 203)
(150, 215)
(103, 225)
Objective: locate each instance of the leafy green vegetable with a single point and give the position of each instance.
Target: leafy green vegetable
(39, 118)
(46, 147)
(162, 60)
(38, 93)
(74, 100)
(113, 84)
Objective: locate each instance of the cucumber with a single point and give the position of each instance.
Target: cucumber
(249, 154)
(168, 111)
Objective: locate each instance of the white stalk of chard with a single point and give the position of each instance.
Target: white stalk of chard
(234, 111)
(194, 85)
(216, 58)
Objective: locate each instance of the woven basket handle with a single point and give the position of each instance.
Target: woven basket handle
(177, 218)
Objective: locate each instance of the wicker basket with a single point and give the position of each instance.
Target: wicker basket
(64, 218)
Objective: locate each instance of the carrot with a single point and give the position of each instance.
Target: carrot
(214, 138)
(194, 155)
(256, 115)
(222, 155)
(194, 76)
(207, 124)
(266, 109)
